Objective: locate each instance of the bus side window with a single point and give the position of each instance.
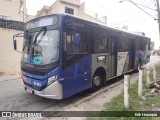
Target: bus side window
(69, 43)
(123, 45)
(142, 44)
(132, 44)
(113, 45)
(101, 43)
(136, 44)
(83, 46)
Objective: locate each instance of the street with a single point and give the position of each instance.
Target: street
(15, 98)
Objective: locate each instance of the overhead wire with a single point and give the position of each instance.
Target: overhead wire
(130, 18)
(126, 19)
(150, 3)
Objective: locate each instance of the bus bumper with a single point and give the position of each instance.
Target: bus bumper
(53, 91)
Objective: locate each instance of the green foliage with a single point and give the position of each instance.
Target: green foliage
(136, 104)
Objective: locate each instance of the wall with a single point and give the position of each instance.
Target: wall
(9, 59)
(63, 5)
(73, 2)
(55, 7)
(11, 8)
(79, 10)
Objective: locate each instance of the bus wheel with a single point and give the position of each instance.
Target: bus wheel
(97, 82)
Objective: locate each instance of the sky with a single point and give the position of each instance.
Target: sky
(118, 14)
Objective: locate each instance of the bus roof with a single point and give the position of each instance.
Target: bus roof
(96, 24)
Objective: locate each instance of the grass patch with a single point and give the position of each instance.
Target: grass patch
(136, 103)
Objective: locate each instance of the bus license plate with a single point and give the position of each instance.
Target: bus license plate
(29, 90)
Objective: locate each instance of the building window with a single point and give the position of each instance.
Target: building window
(69, 10)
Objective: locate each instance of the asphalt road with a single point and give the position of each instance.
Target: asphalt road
(13, 97)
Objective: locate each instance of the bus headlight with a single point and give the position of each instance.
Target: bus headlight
(52, 79)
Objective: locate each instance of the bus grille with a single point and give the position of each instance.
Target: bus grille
(40, 73)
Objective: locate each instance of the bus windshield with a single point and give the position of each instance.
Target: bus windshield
(41, 47)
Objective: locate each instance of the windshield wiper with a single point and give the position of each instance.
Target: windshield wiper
(35, 40)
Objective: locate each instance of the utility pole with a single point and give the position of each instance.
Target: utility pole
(158, 12)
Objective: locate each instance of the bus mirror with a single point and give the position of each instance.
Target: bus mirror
(15, 41)
(77, 39)
(15, 44)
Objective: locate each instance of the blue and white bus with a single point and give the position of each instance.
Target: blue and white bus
(63, 55)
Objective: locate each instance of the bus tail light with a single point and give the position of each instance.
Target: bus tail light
(52, 79)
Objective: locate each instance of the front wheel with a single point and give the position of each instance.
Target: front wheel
(96, 82)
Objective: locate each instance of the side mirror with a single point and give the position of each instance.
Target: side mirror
(77, 39)
(15, 44)
(15, 41)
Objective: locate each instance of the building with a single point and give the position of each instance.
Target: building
(12, 15)
(73, 7)
(13, 10)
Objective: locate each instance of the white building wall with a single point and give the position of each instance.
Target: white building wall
(79, 10)
(55, 8)
(11, 8)
(9, 59)
(73, 2)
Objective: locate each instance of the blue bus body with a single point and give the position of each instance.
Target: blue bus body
(74, 72)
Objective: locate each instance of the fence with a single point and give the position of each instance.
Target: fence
(11, 24)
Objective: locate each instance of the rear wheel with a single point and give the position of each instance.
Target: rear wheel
(97, 82)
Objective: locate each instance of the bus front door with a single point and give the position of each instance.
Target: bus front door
(112, 56)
